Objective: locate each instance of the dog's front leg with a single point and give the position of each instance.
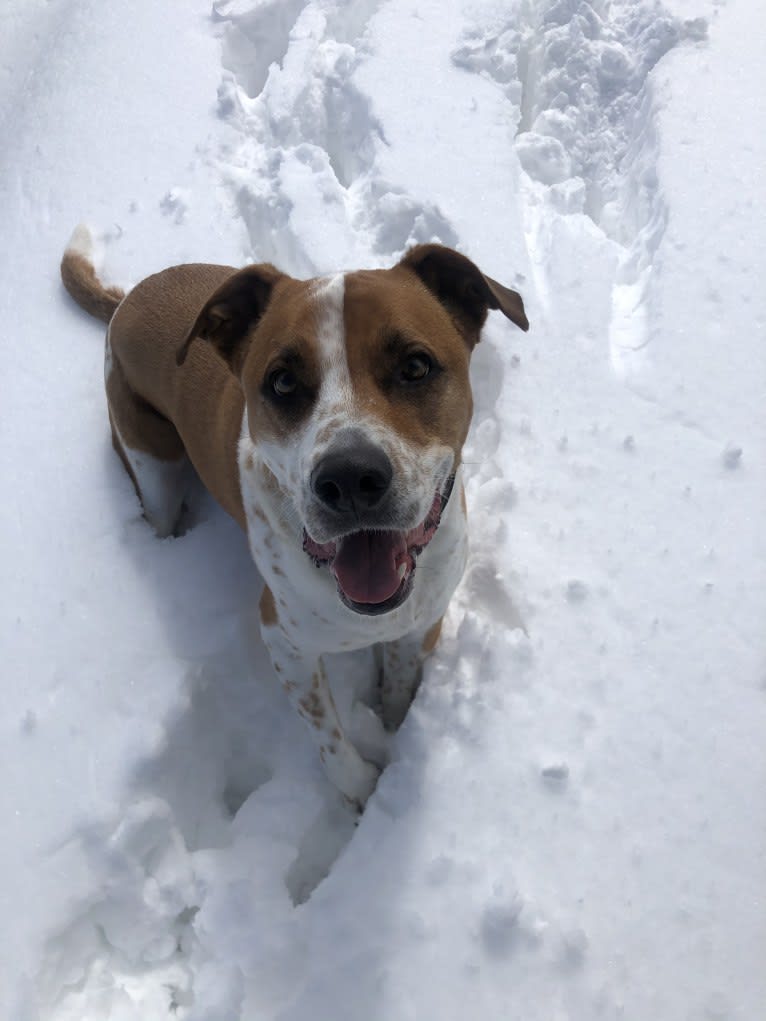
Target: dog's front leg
(402, 670)
(303, 678)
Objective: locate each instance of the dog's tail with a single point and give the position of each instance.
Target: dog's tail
(79, 276)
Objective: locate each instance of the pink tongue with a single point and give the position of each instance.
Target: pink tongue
(366, 565)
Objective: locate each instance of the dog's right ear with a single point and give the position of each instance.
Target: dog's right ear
(463, 289)
(232, 311)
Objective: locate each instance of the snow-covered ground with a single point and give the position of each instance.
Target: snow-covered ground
(573, 822)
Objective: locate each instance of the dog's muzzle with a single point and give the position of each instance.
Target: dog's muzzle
(373, 563)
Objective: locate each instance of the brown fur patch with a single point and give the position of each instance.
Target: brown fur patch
(431, 637)
(79, 278)
(202, 400)
(311, 706)
(285, 338)
(140, 426)
(389, 315)
(268, 610)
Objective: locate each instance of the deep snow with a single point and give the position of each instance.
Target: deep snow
(572, 825)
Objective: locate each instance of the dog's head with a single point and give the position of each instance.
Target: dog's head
(358, 402)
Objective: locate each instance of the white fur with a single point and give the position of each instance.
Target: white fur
(81, 242)
(162, 484)
(336, 390)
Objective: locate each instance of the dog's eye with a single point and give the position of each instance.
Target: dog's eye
(416, 367)
(283, 382)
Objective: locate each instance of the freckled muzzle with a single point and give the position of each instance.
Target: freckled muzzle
(374, 568)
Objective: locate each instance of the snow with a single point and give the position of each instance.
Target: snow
(572, 823)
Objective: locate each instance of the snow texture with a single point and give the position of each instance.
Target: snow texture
(572, 824)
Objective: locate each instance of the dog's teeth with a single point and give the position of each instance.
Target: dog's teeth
(402, 569)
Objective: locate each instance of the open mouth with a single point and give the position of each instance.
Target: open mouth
(374, 569)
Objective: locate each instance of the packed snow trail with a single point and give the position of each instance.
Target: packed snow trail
(571, 824)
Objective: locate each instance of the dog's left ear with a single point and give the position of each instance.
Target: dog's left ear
(232, 311)
(463, 289)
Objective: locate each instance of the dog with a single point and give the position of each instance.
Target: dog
(327, 417)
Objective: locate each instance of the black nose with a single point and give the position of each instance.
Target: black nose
(353, 475)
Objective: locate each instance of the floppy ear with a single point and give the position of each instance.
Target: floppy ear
(463, 289)
(233, 309)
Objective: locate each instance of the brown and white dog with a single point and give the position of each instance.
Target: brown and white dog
(327, 416)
